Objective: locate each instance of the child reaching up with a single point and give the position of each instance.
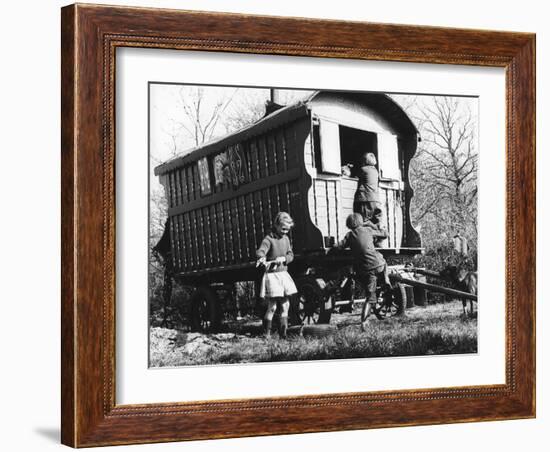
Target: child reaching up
(369, 265)
(275, 253)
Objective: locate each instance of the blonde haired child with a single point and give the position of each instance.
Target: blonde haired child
(275, 253)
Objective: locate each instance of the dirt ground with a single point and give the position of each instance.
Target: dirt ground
(434, 329)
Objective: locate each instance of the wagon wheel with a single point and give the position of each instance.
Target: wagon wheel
(312, 304)
(205, 310)
(391, 302)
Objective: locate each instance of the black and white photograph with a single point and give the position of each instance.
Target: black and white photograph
(266, 226)
(296, 225)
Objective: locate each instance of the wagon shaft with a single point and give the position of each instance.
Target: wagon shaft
(433, 287)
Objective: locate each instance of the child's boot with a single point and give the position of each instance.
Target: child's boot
(267, 328)
(283, 327)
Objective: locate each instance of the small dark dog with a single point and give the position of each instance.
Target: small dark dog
(463, 280)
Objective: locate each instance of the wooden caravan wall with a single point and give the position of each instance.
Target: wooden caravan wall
(330, 201)
(225, 227)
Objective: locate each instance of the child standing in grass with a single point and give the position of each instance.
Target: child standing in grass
(275, 253)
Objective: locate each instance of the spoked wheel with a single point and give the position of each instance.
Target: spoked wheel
(391, 302)
(205, 310)
(313, 307)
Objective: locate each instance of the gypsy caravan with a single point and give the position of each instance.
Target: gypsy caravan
(223, 195)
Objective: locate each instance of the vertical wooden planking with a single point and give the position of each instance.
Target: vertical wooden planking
(190, 187)
(198, 239)
(234, 209)
(284, 197)
(251, 223)
(313, 190)
(321, 204)
(330, 223)
(193, 236)
(214, 234)
(273, 205)
(185, 184)
(258, 217)
(173, 243)
(178, 242)
(185, 240)
(309, 158)
(183, 179)
(188, 240)
(292, 148)
(347, 194)
(266, 210)
(262, 158)
(295, 212)
(221, 233)
(226, 236)
(177, 182)
(279, 138)
(201, 239)
(170, 186)
(271, 153)
(245, 248)
(247, 157)
(176, 247)
(170, 190)
(399, 223)
(254, 161)
(278, 190)
(175, 238)
(335, 194)
(208, 236)
(213, 228)
(201, 248)
(229, 244)
(389, 220)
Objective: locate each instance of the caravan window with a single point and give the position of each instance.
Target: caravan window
(340, 149)
(354, 143)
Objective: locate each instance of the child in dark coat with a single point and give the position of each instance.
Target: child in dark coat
(369, 265)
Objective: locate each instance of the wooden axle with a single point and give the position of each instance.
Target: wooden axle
(432, 287)
(425, 272)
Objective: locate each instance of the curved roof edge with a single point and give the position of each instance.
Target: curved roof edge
(380, 102)
(275, 119)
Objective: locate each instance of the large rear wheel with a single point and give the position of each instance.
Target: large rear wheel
(391, 301)
(313, 305)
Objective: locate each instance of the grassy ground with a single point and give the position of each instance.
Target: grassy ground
(431, 330)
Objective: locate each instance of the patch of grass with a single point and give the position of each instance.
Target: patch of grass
(432, 330)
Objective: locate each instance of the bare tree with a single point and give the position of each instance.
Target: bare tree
(444, 170)
(198, 115)
(249, 108)
(200, 120)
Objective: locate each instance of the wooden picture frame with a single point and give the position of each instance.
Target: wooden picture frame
(90, 36)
